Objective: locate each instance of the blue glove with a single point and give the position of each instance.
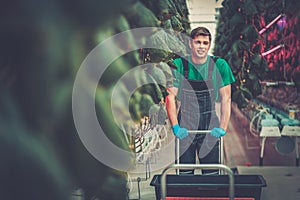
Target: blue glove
(179, 132)
(218, 132)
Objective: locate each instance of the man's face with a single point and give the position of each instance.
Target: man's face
(200, 46)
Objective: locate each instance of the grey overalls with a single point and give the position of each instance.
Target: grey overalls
(197, 112)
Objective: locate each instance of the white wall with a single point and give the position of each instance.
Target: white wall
(203, 13)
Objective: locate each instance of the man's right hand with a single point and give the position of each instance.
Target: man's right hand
(179, 132)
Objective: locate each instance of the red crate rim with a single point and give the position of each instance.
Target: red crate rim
(206, 198)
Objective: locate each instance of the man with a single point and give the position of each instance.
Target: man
(200, 81)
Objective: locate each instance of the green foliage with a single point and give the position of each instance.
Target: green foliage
(239, 97)
(145, 104)
(103, 104)
(250, 33)
(235, 20)
(256, 59)
(140, 16)
(176, 24)
(167, 72)
(249, 8)
(157, 74)
(239, 42)
(41, 63)
(134, 107)
(245, 92)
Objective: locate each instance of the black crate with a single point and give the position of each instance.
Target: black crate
(210, 186)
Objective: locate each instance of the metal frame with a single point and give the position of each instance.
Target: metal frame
(177, 153)
(199, 166)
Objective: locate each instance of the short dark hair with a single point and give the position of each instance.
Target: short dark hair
(200, 31)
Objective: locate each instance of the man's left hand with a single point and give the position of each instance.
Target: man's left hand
(218, 132)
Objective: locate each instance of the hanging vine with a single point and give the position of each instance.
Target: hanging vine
(245, 46)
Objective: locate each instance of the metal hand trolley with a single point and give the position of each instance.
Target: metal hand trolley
(177, 153)
(206, 187)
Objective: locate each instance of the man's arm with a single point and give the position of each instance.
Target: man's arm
(225, 110)
(171, 105)
(172, 114)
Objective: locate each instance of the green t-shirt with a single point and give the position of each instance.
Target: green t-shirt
(221, 75)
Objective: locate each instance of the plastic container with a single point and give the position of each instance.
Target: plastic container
(246, 186)
(291, 113)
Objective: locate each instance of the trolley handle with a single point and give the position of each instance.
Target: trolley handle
(194, 132)
(199, 131)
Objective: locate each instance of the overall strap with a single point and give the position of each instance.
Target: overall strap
(212, 62)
